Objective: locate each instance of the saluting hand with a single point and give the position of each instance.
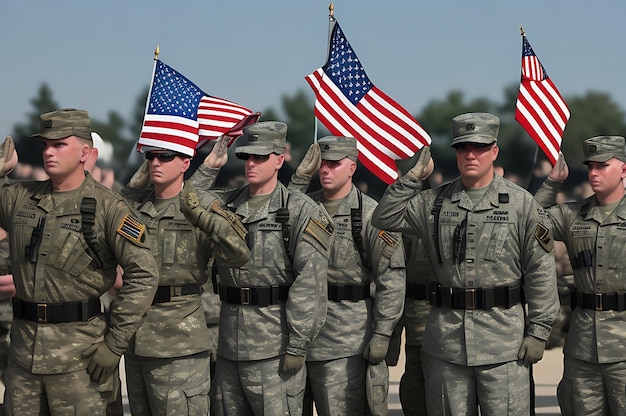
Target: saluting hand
(559, 171)
(424, 165)
(218, 155)
(8, 156)
(141, 178)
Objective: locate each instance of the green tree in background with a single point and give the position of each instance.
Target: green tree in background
(29, 150)
(592, 114)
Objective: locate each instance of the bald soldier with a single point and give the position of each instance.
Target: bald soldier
(486, 242)
(594, 231)
(67, 235)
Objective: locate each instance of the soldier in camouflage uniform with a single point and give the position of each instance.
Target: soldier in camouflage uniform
(485, 240)
(67, 235)
(274, 305)
(416, 309)
(593, 229)
(359, 319)
(168, 363)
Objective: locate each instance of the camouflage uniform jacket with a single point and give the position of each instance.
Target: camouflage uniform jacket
(182, 252)
(419, 272)
(593, 336)
(349, 325)
(64, 271)
(250, 332)
(501, 249)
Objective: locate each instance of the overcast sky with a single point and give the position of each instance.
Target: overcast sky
(98, 55)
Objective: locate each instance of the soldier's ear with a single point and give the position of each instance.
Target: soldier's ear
(90, 160)
(186, 164)
(280, 160)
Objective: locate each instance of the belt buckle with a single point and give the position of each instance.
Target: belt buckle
(470, 299)
(598, 302)
(42, 313)
(244, 293)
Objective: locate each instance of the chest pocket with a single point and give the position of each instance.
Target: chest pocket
(343, 252)
(177, 244)
(267, 248)
(445, 233)
(493, 237)
(617, 250)
(583, 237)
(70, 255)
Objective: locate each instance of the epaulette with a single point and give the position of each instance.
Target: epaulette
(132, 229)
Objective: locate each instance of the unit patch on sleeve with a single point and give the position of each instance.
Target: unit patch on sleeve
(544, 237)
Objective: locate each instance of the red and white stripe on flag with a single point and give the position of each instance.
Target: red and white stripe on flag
(540, 108)
(384, 130)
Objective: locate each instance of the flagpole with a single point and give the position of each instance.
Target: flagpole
(536, 155)
(331, 25)
(157, 51)
(133, 150)
(331, 20)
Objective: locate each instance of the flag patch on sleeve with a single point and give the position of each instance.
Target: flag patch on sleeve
(131, 229)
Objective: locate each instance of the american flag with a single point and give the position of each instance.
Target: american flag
(181, 117)
(348, 104)
(540, 109)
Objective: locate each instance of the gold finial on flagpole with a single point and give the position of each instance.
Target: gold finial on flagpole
(157, 51)
(331, 10)
(521, 29)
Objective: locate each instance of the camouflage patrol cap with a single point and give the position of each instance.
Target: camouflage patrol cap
(60, 124)
(338, 147)
(481, 128)
(264, 138)
(603, 148)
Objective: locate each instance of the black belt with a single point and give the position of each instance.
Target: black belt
(166, 293)
(598, 301)
(55, 313)
(416, 291)
(337, 293)
(256, 296)
(474, 298)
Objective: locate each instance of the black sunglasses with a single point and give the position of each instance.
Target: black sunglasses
(163, 157)
(477, 146)
(258, 158)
